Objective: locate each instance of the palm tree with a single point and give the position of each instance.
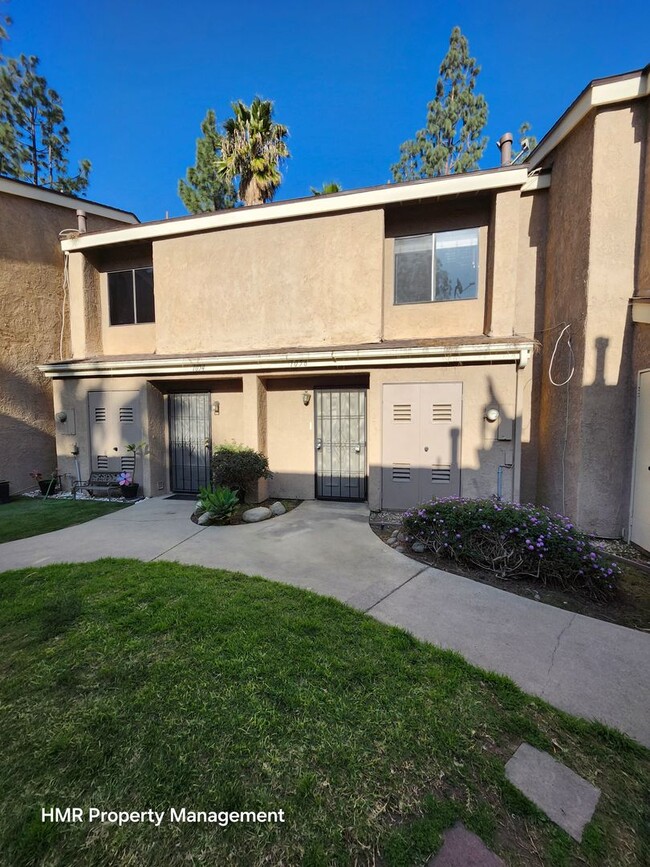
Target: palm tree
(327, 188)
(253, 147)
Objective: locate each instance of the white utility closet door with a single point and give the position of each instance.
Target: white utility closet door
(114, 421)
(421, 442)
(640, 525)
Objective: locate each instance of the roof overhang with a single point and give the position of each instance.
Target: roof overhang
(61, 200)
(518, 352)
(604, 91)
(314, 206)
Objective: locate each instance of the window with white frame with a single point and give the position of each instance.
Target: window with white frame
(130, 296)
(438, 267)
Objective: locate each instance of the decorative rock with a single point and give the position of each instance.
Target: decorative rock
(461, 848)
(566, 798)
(204, 519)
(400, 549)
(402, 537)
(260, 513)
(278, 509)
(419, 547)
(199, 509)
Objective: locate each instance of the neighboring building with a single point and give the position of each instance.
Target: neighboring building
(390, 344)
(34, 318)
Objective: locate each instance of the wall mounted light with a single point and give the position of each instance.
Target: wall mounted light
(74, 450)
(492, 414)
(306, 397)
(62, 416)
(216, 407)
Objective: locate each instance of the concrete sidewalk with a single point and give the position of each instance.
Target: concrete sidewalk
(588, 667)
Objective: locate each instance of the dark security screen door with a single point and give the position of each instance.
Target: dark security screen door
(189, 441)
(341, 444)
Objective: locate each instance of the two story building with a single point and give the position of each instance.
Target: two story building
(467, 335)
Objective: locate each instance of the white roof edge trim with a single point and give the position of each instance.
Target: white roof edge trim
(51, 197)
(315, 206)
(606, 93)
(519, 352)
(536, 182)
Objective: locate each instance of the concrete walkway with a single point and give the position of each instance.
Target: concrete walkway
(588, 667)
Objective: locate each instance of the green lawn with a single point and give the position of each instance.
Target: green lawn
(26, 517)
(130, 686)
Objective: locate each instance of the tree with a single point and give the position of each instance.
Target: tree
(205, 189)
(452, 140)
(34, 139)
(252, 149)
(327, 189)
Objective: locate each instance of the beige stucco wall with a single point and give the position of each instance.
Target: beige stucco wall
(290, 441)
(31, 322)
(302, 283)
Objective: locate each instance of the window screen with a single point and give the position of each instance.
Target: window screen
(440, 267)
(130, 296)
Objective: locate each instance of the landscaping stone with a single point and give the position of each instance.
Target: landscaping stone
(399, 548)
(461, 848)
(199, 509)
(277, 509)
(204, 519)
(566, 798)
(419, 547)
(252, 516)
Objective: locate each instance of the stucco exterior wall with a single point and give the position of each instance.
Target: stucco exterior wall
(290, 441)
(302, 283)
(565, 302)
(32, 320)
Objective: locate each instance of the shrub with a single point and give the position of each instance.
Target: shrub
(238, 467)
(219, 503)
(513, 541)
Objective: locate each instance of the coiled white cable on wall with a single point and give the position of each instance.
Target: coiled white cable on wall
(571, 355)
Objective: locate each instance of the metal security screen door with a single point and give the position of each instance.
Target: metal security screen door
(189, 441)
(341, 444)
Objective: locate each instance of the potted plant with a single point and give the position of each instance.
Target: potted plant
(136, 449)
(47, 485)
(128, 487)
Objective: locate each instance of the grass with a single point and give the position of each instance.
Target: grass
(25, 517)
(130, 686)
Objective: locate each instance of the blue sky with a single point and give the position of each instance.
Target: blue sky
(351, 79)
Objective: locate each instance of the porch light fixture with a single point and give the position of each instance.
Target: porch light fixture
(492, 414)
(216, 407)
(306, 397)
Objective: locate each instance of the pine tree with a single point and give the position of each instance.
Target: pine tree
(34, 139)
(204, 188)
(452, 140)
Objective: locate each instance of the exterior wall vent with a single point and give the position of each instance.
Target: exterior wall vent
(441, 413)
(402, 412)
(100, 413)
(441, 475)
(127, 463)
(102, 462)
(127, 415)
(401, 472)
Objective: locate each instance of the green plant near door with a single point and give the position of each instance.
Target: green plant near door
(219, 503)
(140, 448)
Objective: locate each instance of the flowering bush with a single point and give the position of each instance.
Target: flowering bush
(513, 541)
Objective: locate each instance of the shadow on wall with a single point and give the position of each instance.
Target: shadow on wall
(26, 429)
(587, 439)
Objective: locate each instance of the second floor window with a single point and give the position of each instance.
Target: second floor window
(130, 296)
(438, 267)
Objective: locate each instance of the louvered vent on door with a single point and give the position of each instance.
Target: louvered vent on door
(401, 412)
(441, 474)
(441, 412)
(102, 462)
(126, 414)
(127, 463)
(401, 472)
(100, 413)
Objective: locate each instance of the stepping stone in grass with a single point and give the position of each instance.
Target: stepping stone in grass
(461, 848)
(566, 798)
